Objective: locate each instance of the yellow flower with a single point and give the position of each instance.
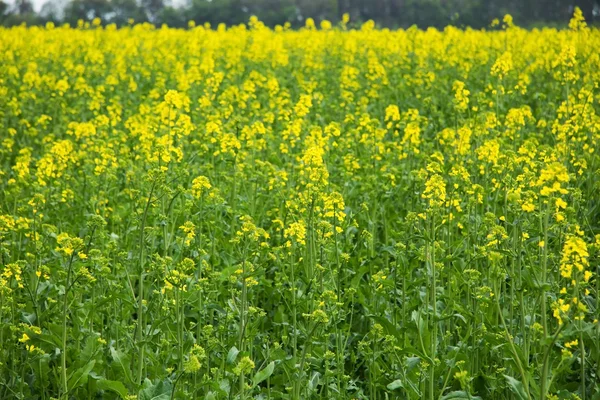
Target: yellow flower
(200, 185)
(575, 256)
(244, 366)
(296, 231)
(435, 191)
(571, 344)
(461, 95)
(528, 207)
(193, 362)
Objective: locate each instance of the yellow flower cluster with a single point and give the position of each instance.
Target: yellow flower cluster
(574, 257)
(338, 182)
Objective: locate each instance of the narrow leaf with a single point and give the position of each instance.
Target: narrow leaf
(80, 376)
(232, 355)
(123, 361)
(397, 384)
(517, 388)
(113, 386)
(264, 373)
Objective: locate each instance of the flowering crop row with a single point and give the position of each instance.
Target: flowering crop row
(322, 213)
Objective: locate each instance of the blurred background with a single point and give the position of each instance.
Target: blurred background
(385, 13)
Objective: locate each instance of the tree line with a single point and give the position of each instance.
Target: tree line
(386, 13)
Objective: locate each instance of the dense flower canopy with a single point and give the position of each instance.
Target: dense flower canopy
(248, 212)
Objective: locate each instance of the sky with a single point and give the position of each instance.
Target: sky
(37, 4)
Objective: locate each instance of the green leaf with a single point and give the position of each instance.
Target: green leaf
(387, 325)
(263, 373)
(52, 340)
(89, 350)
(113, 386)
(313, 382)
(459, 394)
(28, 317)
(80, 376)
(232, 355)
(160, 391)
(225, 386)
(517, 388)
(123, 361)
(397, 384)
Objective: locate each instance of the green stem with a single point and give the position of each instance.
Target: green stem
(140, 296)
(65, 385)
(434, 308)
(513, 348)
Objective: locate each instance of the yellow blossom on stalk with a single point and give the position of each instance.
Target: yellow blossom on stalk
(200, 185)
(551, 179)
(189, 229)
(67, 245)
(528, 207)
(177, 100)
(565, 64)
(571, 344)
(560, 204)
(179, 276)
(333, 207)
(251, 231)
(435, 191)
(392, 114)
(574, 257)
(560, 310)
(318, 315)
(461, 96)
(244, 366)
(297, 232)
(502, 66)
(577, 22)
(303, 106)
(54, 163)
(313, 169)
(22, 163)
(412, 131)
(508, 21)
(194, 359)
(489, 151)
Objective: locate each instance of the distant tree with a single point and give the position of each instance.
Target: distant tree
(123, 10)
(230, 12)
(3, 10)
(21, 12)
(86, 10)
(173, 17)
(52, 10)
(152, 9)
(24, 7)
(271, 12)
(318, 10)
(387, 13)
(588, 7)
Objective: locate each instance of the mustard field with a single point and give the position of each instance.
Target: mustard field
(334, 212)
